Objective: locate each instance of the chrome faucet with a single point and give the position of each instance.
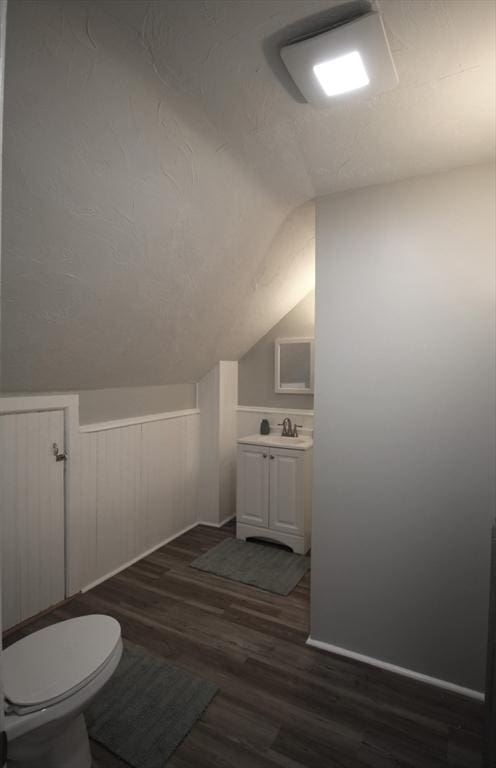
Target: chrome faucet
(287, 430)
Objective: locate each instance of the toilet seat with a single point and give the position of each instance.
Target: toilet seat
(54, 663)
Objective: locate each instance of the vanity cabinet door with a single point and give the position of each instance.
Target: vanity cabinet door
(286, 491)
(253, 485)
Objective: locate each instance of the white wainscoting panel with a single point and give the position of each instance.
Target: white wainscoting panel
(84, 561)
(138, 487)
(166, 501)
(130, 485)
(118, 502)
(157, 491)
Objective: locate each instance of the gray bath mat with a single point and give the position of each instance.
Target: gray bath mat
(147, 708)
(259, 565)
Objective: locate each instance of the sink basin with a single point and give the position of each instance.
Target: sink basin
(301, 443)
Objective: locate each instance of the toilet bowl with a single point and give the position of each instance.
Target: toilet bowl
(49, 679)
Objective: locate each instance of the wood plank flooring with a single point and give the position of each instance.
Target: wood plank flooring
(281, 704)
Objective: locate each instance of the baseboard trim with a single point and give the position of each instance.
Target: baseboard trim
(24, 623)
(138, 557)
(217, 525)
(444, 684)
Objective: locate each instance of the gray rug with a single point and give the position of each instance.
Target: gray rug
(266, 567)
(147, 708)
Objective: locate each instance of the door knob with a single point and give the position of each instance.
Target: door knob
(58, 456)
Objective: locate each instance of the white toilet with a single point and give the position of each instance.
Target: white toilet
(49, 679)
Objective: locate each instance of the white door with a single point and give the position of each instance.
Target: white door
(253, 485)
(32, 512)
(286, 491)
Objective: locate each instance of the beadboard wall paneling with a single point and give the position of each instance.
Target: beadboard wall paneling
(83, 564)
(130, 485)
(138, 488)
(119, 493)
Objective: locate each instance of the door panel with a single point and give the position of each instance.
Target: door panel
(32, 513)
(253, 485)
(286, 491)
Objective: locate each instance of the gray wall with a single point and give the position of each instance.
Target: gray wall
(256, 368)
(97, 405)
(404, 453)
(3, 23)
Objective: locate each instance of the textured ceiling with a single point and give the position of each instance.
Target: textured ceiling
(158, 166)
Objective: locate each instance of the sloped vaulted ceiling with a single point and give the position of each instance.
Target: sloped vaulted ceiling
(158, 168)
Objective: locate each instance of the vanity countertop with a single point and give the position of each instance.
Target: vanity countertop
(301, 443)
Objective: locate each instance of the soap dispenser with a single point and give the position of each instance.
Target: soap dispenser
(264, 427)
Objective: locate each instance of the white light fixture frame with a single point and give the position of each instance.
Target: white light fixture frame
(366, 36)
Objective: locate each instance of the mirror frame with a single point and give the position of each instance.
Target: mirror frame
(277, 360)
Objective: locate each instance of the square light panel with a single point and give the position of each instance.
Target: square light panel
(346, 73)
(349, 61)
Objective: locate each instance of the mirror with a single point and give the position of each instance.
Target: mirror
(294, 366)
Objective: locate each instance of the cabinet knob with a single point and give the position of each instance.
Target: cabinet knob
(272, 457)
(264, 455)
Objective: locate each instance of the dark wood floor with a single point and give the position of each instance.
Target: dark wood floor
(281, 704)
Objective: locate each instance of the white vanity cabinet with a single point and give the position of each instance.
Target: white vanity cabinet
(252, 505)
(274, 490)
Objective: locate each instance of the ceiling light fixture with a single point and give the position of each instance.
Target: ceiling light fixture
(346, 73)
(352, 57)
